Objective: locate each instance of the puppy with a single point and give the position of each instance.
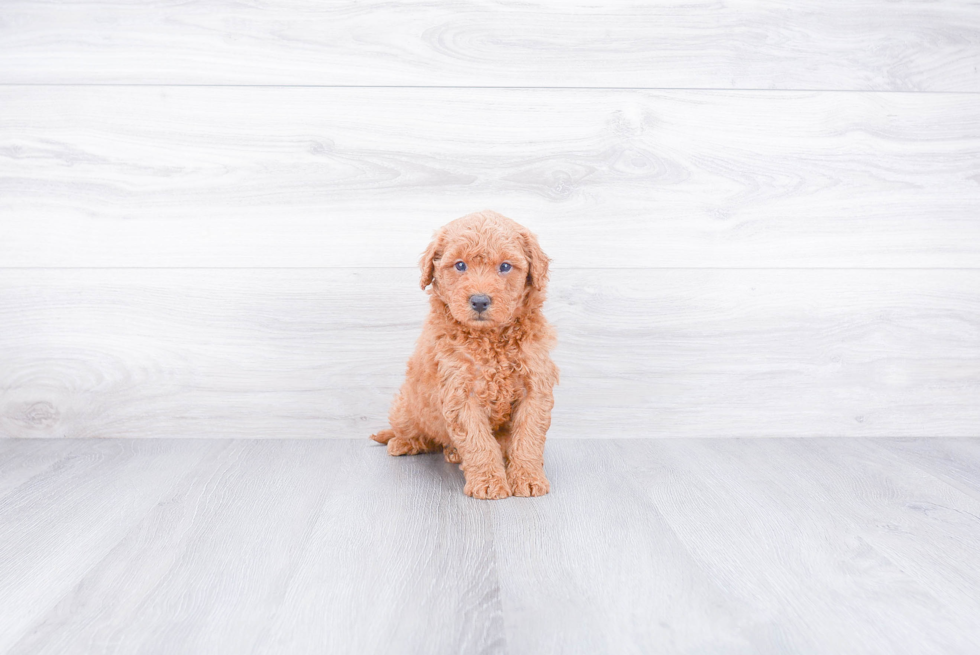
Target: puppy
(479, 385)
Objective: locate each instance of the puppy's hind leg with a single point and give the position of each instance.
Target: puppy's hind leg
(383, 436)
(404, 437)
(400, 445)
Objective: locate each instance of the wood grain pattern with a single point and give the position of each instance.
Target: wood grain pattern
(668, 546)
(20, 462)
(802, 44)
(61, 522)
(733, 501)
(596, 567)
(909, 497)
(320, 353)
(955, 461)
(172, 177)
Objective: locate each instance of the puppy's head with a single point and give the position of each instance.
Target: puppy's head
(486, 268)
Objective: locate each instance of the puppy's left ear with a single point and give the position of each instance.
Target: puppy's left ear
(537, 261)
(431, 255)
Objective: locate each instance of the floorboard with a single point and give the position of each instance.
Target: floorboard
(19, 462)
(673, 546)
(66, 519)
(956, 461)
(848, 553)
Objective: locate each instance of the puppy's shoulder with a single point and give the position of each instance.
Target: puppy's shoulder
(539, 334)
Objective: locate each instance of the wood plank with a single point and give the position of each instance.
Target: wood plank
(61, 523)
(319, 353)
(275, 547)
(955, 461)
(401, 555)
(21, 462)
(906, 500)
(668, 546)
(846, 552)
(804, 44)
(293, 177)
(595, 567)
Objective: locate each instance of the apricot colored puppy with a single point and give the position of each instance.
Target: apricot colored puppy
(479, 385)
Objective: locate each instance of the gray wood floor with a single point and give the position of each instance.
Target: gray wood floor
(331, 546)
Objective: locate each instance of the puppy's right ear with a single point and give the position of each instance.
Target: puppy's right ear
(431, 255)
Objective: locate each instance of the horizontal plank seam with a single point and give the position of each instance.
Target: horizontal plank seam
(368, 443)
(527, 88)
(554, 269)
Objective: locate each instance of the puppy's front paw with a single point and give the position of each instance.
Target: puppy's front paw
(527, 482)
(487, 487)
(451, 455)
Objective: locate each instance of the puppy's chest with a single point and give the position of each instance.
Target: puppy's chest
(497, 383)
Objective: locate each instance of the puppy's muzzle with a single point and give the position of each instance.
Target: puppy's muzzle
(479, 303)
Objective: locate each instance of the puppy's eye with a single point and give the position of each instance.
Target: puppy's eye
(505, 267)
(460, 266)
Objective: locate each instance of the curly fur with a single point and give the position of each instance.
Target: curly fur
(479, 385)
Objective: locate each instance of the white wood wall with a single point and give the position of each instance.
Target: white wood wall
(764, 217)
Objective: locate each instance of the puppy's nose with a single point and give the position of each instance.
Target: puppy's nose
(480, 302)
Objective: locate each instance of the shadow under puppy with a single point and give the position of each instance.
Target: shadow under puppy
(479, 385)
